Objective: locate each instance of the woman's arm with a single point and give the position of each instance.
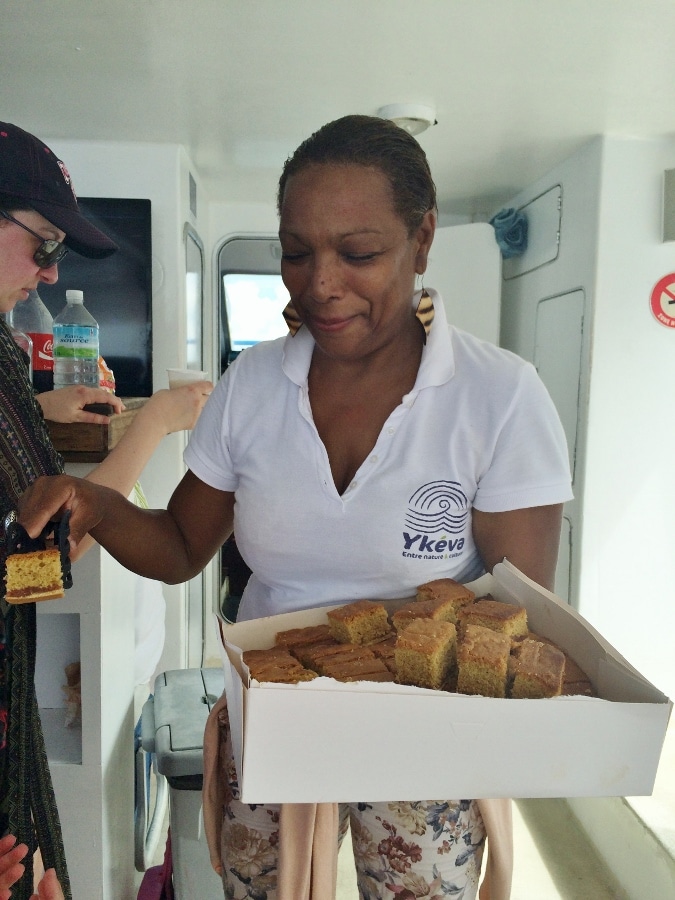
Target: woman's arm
(528, 538)
(169, 545)
(165, 412)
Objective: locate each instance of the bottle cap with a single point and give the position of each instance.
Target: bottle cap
(75, 296)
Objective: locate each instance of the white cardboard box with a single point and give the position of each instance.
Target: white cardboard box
(324, 741)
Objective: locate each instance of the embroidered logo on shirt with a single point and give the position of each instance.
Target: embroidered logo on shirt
(437, 518)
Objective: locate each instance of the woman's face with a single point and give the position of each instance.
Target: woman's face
(347, 259)
(19, 273)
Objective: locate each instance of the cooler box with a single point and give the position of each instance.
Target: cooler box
(172, 726)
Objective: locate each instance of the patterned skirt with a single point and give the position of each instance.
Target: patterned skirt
(402, 850)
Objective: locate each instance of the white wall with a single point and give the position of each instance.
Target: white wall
(611, 248)
(229, 219)
(572, 268)
(628, 565)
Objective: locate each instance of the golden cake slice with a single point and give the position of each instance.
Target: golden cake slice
(34, 576)
(294, 637)
(306, 653)
(536, 669)
(482, 662)
(386, 651)
(506, 618)
(446, 589)
(279, 675)
(426, 652)
(275, 656)
(364, 669)
(575, 680)
(439, 608)
(359, 622)
(323, 659)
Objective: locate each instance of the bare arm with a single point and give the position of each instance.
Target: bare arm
(528, 538)
(164, 413)
(169, 545)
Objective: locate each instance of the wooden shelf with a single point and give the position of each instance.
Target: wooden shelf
(81, 443)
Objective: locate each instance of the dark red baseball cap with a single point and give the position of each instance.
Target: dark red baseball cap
(30, 171)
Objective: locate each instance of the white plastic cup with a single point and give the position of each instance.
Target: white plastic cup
(181, 377)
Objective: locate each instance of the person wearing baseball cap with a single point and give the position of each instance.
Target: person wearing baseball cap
(32, 175)
(39, 222)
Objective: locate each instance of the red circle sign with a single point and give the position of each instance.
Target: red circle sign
(662, 300)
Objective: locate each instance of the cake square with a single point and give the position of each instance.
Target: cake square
(446, 589)
(277, 656)
(536, 669)
(386, 651)
(363, 669)
(310, 634)
(279, 675)
(506, 618)
(359, 622)
(482, 662)
(437, 608)
(34, 576)
(341, 653)
(426, 652)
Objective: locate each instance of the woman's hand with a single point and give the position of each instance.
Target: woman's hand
(49, 496)
(178, 409)
(49, 887)
(11, 870)
(67, 404)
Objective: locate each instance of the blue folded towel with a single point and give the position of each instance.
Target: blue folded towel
(510, 227)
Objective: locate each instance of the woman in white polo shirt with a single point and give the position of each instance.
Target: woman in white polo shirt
(372, 449)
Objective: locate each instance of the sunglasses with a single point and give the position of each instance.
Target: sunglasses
(49, 253)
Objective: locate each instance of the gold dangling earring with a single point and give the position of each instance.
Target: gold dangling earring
(425, 312)
(291, 318)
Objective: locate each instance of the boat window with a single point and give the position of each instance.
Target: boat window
(253, 305)
(252, 294)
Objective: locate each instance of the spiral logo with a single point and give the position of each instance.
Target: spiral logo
(438, 506)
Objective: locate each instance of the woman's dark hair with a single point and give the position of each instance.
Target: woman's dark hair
(376, 143)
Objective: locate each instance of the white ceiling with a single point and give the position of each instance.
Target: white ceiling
(518, 85)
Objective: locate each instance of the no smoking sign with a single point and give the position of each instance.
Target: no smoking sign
(662, 300)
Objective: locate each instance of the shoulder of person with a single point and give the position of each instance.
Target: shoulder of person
(477, 351)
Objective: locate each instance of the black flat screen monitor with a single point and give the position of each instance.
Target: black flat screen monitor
(117, 290)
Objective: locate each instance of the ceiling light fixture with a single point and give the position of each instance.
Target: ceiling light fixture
(413, 117)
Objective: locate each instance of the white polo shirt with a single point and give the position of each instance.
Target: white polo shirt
(478, 430)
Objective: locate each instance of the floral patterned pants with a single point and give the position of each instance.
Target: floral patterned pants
(429, 849)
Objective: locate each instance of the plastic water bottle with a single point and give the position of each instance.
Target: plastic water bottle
(75, 344)
(24, 341)
(33, 318)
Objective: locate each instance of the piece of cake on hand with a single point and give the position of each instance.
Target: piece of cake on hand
(34, 576)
